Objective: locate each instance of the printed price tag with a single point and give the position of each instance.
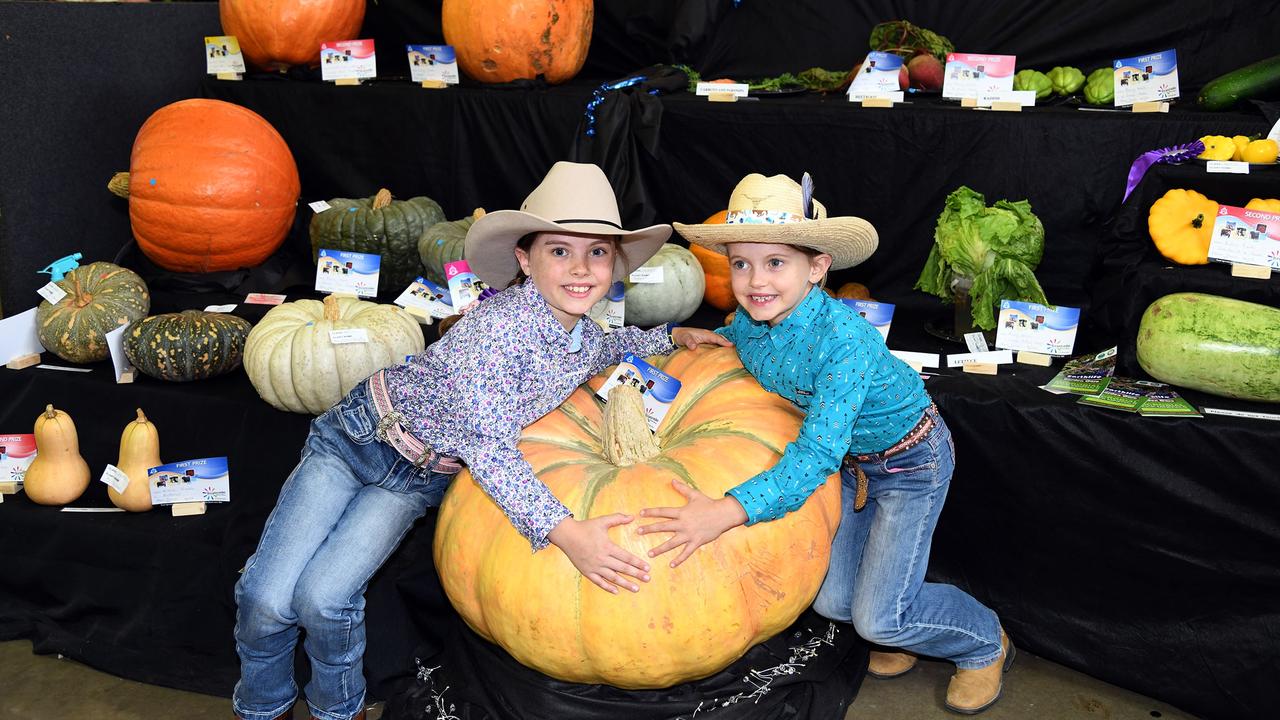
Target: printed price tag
(202, 480)
(646, 276)
(433, 62)
(52, 293)
(1146, 78)
(1235, 167)
(968, 75)
(342, 271)
(1037, 328)
(877, 77)
(220, 308)
(348, 59)
(115, 478)
(222, 55)
(1247, 237)
(319, 206)
(348, 335)
(263, 299)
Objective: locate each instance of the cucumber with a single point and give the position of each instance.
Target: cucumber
(1221, 346)
(1259, 79)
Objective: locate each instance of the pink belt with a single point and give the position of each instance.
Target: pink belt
(391, 431)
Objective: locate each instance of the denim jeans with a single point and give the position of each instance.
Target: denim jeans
(880, 554)
(343, 510)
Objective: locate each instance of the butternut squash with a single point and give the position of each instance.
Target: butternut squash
(139, 452)
(58, 475)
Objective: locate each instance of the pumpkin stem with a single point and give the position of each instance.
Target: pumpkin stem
(81, 298)
(141, 417)
(49, 412)
(331, 310)
(382, 199)
(119, 184)
(1198, 222)
(477, 214)
(626, 438)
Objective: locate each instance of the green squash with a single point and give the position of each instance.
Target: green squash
(442, 244)
(186, 346)
(100, 298)
(381, 226)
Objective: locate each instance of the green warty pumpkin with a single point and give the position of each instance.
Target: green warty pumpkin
(442, 244)
(381, 226)
(100, 298)
(186, 346)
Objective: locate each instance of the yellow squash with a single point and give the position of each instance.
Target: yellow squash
(58, 475)
(139, 452)
(1217, 147)
(1181, 225)
(1260, 151)
(687, 622)
(1270, 205)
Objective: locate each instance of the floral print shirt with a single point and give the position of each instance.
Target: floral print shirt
(834, 365)
(500, 368)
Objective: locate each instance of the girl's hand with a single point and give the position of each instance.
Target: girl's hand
(587, 545)
(693, 337)
(699, 522)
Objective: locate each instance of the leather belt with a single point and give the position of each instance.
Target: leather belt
(391, 430)
(914, 437)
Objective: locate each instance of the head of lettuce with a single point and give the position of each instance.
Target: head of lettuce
(988, 252)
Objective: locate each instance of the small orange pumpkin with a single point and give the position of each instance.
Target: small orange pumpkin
(715, 268)
(497, 42)
(211, 186)
(853, 291)
(276, 34)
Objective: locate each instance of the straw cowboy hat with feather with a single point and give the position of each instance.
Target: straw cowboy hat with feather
(778, 210)
(572, 198)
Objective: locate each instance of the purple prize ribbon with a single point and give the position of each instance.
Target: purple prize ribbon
(1171, 155)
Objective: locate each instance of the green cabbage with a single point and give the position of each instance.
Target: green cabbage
(991, 251)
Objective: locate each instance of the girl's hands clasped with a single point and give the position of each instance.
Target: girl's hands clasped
(587, 545)
(699, 522)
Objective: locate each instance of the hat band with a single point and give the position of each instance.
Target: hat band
(762, 217)
(592, 221)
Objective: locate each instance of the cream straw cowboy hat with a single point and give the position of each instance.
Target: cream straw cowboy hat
(779, 210)
(572, 198)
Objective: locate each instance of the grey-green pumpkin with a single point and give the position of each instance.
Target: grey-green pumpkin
(186, 346)
(442, 243)
(381, 226)
(100, 298)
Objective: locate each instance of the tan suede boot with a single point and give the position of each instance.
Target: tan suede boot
(972, 691)
(885, 665)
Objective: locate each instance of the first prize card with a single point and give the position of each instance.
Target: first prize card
(347, 60)
(464, 286)
(969, 75)
(1247, 237)
(878, 77)
(343, 271)
(203, 480)
(880, 315)
(433, 62)
(428, 297)
(17, 452)
(657, 389)
(1044, 329)
(1146, 78)
(222, 55)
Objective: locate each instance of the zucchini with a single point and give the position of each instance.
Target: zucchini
(1221, 346)
(1256, 80)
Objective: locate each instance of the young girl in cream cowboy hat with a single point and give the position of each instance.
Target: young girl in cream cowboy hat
(868, 414)
(386, 452)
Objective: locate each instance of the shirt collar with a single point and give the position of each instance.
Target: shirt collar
(796, 323)
(549, 327)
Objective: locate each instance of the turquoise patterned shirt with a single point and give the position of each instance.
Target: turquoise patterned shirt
(834, 365)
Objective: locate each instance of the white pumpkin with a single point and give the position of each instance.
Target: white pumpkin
(294, 365)
(673, 299)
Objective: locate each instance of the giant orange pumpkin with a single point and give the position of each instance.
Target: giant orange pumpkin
(499, 41)
(275, 34)
(211, 186)
(715, 268)
(687, 622)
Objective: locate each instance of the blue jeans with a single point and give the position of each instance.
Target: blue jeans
(880, 554)
(343, 510)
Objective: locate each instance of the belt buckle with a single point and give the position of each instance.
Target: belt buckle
(385, 422)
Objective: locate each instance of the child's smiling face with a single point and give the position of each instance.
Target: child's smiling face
(770, 280)
(571, 271)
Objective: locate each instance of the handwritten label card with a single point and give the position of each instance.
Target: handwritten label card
(969, 75)
(1146, 78)
(710, 88)
(1032, 327)
(1247, 237)
(342, 271)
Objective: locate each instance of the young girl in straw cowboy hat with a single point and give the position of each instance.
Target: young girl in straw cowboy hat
(868, 414)
(378, 459)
